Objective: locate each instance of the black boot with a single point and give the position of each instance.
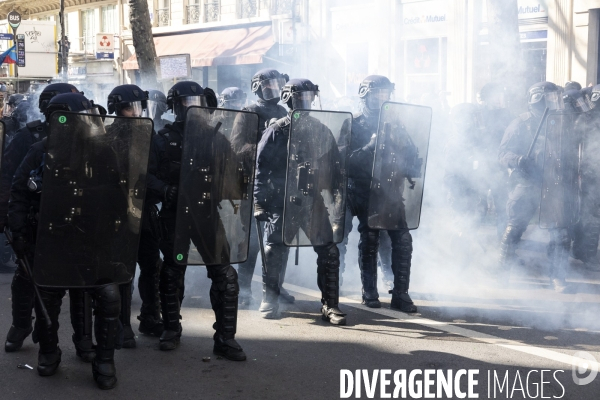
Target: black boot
(81, 321)
(49, 355)
(401, 264)
(328, 280)
(108, 305)
(150, 320)
(224, 300)
(23, 297)
(367, 261)
(171, 282)
(125, 317)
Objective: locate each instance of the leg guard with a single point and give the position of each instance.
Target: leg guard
(171, 285)
(81, 321)
(125, 317)
(559, 247)
(585, 243)
(49, 355)
(148, 288)
(224, 300)
(108, 308)
(328, 276)
(367, 261)
(23, 297)
(284, 295)
(275, 255)
(508, 246)
(401, 264)
(246, 269)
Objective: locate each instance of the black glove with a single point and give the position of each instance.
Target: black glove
(526, 164)
(371, 145)
(260, 214)
(20, 245)
(171, 193)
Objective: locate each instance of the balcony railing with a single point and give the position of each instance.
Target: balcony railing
(193, 14)
(248, 8)
(164, 16)
(212, 11)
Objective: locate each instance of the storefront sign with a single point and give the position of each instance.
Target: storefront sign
(425, 18)
(105, 46)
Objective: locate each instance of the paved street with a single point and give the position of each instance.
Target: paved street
(474, 325)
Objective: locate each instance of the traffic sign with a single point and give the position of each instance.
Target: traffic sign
(6, 36)
(105, 46)
(14, 19)
(21, 50)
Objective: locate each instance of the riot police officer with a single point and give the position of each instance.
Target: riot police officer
(131, 101)
(587, 232)
(21, 288)
(25, 202)
(164, 174)
(269, 192)
(524, 171)
(232, 98)
(157, 106)
(373, 92)
(266, 84)
(14, 115)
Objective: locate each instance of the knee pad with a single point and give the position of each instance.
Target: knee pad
(109, 300)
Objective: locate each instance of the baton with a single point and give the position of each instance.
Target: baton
(262, 247)
(25, 264)
(537, 132)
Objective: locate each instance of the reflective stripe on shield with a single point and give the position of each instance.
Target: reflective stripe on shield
(315, 192)
(214, 205)
(399, 166)
(561, 189)
(93, 191)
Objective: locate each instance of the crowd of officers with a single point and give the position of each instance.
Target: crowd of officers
(478, 130)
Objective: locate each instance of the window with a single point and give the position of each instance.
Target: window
(164, 12)
(110, 19)
(88, 30)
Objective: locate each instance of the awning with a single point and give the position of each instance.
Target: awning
(223, 47)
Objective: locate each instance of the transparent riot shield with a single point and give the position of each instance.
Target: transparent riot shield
(214, 204)
(2, 133)
(93, 190)
(315, 191)
(561, 184)
(399, 166)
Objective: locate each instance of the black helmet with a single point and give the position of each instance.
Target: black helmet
(572, 85)
(577, 101)
(544, 95)
(375, 90)
(21, 111)
(492, 95)
(267, 83)
(74, 102)
(186, 94)
(127, 97)
(299, 93)
(157, 104)
(52, 90)
(11, 104)
(233, 98)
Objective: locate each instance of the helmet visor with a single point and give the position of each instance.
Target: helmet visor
(190, 101)
(133, 109)
(153, 109)
(303, 100)
(271, 88)
(376, 98)
(554, 101)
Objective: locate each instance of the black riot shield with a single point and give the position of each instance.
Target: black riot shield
(93, 190)
(315, 190)
(561, 184)
(399, 166)
(214, 204)
(2, 133)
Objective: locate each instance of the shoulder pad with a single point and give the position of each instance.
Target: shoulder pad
(35, 124)
(525, 116)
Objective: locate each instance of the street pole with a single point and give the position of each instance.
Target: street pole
(63, 66)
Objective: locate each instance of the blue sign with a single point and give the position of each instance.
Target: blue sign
(6, 36)
(105, 56)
